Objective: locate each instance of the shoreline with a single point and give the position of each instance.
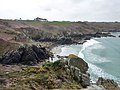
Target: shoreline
(46, 36)
(78, 54)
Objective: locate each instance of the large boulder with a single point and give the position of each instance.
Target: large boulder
(28, 55)
(78, 62)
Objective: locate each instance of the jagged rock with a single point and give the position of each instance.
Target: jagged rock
(94, 87)
(11, 57)
(41, 52)
(77, 74)
(29, 55)
(107, 84)
(85, 80)
(65, 40)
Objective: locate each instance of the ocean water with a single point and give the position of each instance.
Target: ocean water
(102, 56)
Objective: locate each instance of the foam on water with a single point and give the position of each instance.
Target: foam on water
(85, 45)
(94, 58)
(96, 72)
(70, 49)
(65, 51)
(101, 55)
(95, 54)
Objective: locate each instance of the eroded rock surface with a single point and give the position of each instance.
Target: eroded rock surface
(28, 55)
(78, 69)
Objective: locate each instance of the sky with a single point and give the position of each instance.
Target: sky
(61, 10)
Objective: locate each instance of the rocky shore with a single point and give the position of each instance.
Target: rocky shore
(25, 52)
(70, 73)
(29, 64)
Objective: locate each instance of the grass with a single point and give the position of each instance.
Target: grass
(72, 56)
(32, 22)
(60, 22)
(47, 76)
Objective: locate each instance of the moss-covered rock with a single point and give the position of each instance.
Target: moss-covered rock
(72, 56)
(78, 62)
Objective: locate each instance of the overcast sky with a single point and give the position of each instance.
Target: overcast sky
(70, 10)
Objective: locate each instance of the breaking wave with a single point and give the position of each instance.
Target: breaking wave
(85, 45)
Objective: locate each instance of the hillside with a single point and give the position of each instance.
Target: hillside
(28, 31)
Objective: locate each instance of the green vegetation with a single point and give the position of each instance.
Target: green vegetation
(32, 22)
(47, 76)
(60, 22)
(72, 56)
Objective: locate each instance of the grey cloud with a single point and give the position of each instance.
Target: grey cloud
(88, 10)
(48, 9)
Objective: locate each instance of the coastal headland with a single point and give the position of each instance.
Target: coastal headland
(25, 49)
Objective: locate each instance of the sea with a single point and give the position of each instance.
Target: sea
(101, 54)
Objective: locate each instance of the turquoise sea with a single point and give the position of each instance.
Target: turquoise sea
(102, 56)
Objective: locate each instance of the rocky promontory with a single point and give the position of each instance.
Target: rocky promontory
(62, 74)
(21, 66)
(70, 73)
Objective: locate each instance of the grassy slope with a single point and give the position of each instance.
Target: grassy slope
(47, 76)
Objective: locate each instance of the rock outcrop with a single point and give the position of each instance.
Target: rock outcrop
(78, 62)
(108, 84)
(77, 67)
(28, 55)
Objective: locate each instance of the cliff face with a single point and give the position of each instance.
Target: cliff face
(28, 55)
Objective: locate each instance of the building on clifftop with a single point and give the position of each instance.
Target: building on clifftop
(40, 19)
